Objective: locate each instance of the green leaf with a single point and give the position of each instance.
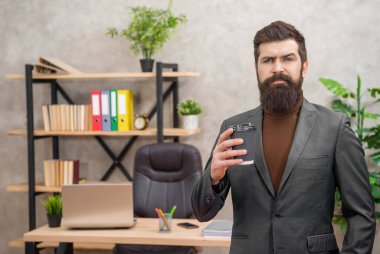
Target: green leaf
(339, 106)
(112, 32)
(374, 92)
(341, 221)
(189, 107)
(336, 88)
(358, 87)
(376, 158)
(375, 191)
(373, 138)
(371, 115)
(53, 205)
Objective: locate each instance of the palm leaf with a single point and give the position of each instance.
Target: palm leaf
(373, 138)
(374, 92)
(371, 115)
(339, 106)
(375, 191)
(336, 88)
(376, 158)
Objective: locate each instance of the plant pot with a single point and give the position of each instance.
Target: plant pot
(190, 122)
(146, 65)
(54, 221)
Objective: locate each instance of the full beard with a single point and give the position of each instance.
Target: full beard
(280, 99)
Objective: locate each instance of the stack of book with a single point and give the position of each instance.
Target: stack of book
(54, 65)
(67, 117)
(218, 228)
(112, 110)
(61, 172)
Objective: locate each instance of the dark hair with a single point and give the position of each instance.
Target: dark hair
(278, 31)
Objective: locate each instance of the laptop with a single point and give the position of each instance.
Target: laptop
(86, 206)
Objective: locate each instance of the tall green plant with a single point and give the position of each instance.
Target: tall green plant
(352, 104)
(149, 29)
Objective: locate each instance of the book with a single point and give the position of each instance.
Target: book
(54, 65)
(61, 172)
(45, 116)
(47, 173)
(218, 228)
(75, 178)
(44, 68)
(67, 117)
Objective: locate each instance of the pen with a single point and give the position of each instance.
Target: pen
(162, 216)
(159, 215)
(172, 210)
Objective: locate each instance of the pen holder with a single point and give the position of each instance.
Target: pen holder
(165, 223)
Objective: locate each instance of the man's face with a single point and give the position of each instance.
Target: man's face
(280, 74)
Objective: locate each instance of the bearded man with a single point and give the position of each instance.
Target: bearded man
(284, 201)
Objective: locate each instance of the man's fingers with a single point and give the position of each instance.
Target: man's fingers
(231, 153)
(227, 144)
(229, 163)
(225, 135)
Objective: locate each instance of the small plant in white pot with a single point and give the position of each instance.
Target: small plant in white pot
(189, 110)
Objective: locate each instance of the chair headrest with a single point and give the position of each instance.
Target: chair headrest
(162, 159)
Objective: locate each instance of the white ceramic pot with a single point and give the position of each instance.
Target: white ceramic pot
(190, 122)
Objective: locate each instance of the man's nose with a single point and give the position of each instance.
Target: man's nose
(277, 67)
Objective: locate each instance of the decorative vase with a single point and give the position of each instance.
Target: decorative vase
(190, 122)
(146, 65)
(54, 220)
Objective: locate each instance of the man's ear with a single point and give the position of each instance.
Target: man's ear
(305, 66)
(255, 65)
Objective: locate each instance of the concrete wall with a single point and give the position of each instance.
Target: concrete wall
(342, 41)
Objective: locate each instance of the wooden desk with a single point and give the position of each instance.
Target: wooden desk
(144, 232)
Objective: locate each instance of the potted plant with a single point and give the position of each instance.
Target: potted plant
(368, 136)
(148, 31)
(190, 110)
(53, 207)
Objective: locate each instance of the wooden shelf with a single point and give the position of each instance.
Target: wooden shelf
(19, 243)
(23, 187)
(147, 75)
(41, 188)
(150, 132)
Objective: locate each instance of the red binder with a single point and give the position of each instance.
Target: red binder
(96, 110)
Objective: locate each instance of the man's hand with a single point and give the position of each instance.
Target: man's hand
(222, 157)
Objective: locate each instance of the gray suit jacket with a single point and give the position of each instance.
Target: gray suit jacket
(325, 154)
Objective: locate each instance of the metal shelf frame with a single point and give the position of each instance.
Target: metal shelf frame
(55, 87)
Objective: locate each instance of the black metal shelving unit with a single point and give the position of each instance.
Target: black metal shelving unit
(161, 97)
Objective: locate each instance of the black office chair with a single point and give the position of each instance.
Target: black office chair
(164, 176)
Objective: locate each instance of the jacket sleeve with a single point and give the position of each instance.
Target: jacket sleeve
(353, 183)
(206, 199)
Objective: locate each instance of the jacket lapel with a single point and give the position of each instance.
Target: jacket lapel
(258, 153)
(304, 127)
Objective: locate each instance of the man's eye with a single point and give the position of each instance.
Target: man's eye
(267, 60)
(289, 58)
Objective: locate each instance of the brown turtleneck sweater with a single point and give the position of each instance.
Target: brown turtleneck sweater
(278, 133)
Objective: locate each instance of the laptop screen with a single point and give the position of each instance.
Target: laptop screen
(108, 205)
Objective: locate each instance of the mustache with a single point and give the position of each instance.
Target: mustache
(277, 77)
